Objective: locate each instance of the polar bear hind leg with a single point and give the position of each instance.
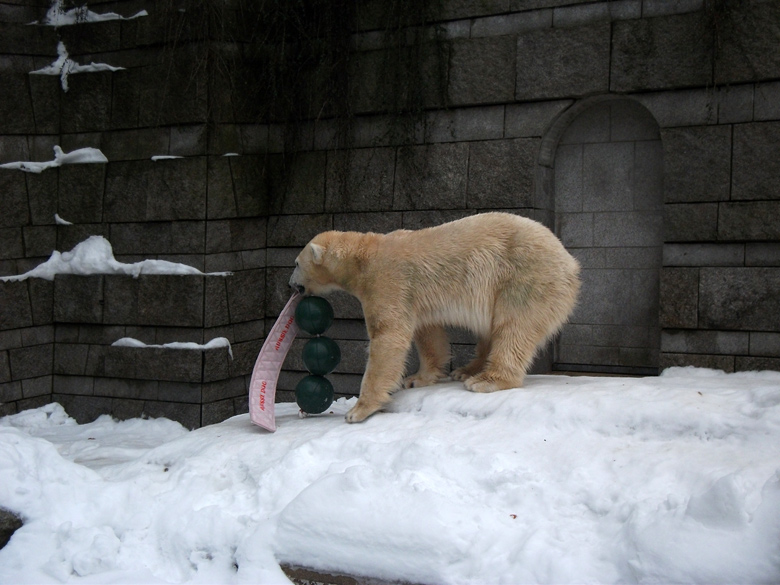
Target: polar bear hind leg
(433, 349)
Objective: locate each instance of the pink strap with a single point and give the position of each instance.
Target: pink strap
(262, 387)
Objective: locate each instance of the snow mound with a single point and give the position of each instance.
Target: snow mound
(674, 479)
(95, 256)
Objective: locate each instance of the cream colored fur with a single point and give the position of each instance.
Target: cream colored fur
(506, 278)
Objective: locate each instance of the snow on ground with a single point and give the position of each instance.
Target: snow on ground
(96, 256)
(673, 479)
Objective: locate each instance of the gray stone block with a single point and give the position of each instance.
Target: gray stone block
(501, 173)
(152, 238)
(735, 104)
(70, 359)
(756, 166)
(15, 308)
(752, 364)
(765, 344)
(42, 197)
(627, 229)
(749, 221)
(78, 299)
(136, 144)
(165, 300)
(225, 262)
(221, 198)
(224, 389)
(11, 243)
(126, 388)
(45, 92)
(766, 104)
(80, 196)
(740, 299)
(298, 185)
(417, 220)
(705, 342)
(186, 414)
(695, 222)
(180, 392)
(482, 71)
(660, 53)
(16, 115)
(86, 106)
(360, 180)
(216, 364)
(73, 385)
(431, 177)
(683, 107)
(747, 44)
(145, 190)
(251, 183)
(563, 62)
(244, 293)
(511, 24)
(697, 164)
(31, 362)
(532, 119)
(575, 229)
(381, 223)
(216, 301)
(216, 412)
(37, 335)
(125, 408)
(762, 254)
(5, 368)
(244, 357)
(39, 241)
(704, 255)
(10, 391)
(679, 298)
(296, 230)
(14, 209)
(34, 387)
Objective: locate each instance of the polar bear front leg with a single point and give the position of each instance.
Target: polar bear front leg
(385, 368)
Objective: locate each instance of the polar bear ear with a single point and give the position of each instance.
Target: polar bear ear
(317, 252)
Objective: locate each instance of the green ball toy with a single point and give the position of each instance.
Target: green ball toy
(321, 355)
(314, 315)
(314, 394)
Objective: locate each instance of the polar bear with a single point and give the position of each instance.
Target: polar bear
(506, 278)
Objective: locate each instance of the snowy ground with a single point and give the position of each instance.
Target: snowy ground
(572, 479)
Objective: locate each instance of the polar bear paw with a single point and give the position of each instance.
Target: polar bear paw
(478, 384)
(420, 380)
(359, 413)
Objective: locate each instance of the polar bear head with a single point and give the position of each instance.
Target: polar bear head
(313, 274)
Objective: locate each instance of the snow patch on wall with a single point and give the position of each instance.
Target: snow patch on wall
(65, 66)
(96, 256)
(214, 343)
(58, 15)
(77, 157)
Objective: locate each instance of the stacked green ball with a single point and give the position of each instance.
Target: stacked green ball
(321, 355)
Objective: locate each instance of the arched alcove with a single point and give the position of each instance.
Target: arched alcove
(603, 162)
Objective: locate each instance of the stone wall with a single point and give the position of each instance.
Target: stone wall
(524, 93)
(202, 209)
